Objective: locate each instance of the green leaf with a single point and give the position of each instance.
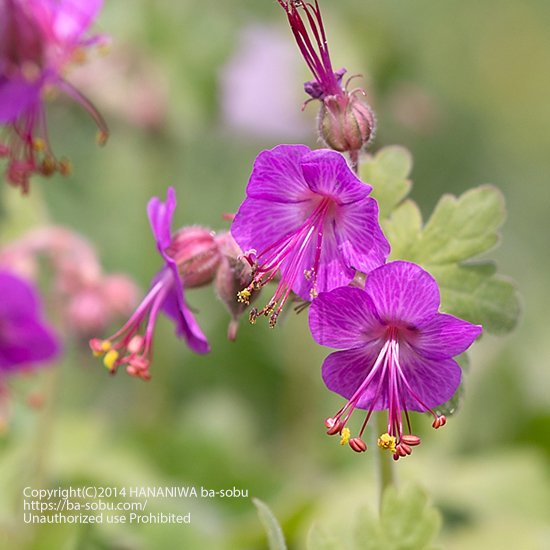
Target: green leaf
(407, 522)
(319, 539)
(274, 532)
(459, 230)
(387, 172)
(451, 407)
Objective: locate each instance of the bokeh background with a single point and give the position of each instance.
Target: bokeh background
(193, 91)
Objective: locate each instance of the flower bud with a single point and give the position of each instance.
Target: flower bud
(234, 274)
(196, 253)
(346, 122)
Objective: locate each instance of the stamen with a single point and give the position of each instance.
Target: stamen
(345, 436)
(387, 441)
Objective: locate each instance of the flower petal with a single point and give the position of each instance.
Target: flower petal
(277, 175)
(24, 337)
(345, 371)
(444, 336)
(187, 327)
(260, 223)
(344, 318)
(359, 235)
(433, 381)
(332, 271)
(67, 19)
(403, 293)
(16, 96)
(24, 342)
(327, 173)
(160, 217)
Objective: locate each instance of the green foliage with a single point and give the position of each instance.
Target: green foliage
(407, 522)
(460, 229)
(274, 532)
(388, 173)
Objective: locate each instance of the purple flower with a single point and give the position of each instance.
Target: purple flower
(308, 220)
(25, 339)
(346, 121)
(128, 346)
(38, 39)
(397, 351)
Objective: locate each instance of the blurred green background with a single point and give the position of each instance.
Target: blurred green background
(465, 85)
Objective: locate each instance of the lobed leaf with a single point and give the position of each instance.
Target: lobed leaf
(459, 230)
(407, 522)
(388, 172)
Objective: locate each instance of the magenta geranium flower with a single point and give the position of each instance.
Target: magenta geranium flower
(397, 351)
(309, 221)
(346, 121)
(132, 346)
(38, 40)
(25, 338)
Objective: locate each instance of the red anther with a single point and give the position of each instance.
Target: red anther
(406, 448)
(329, 422)
(411, 440)
(439, 421)
(358, 445)
(139, 363)
(136, 344)
(96, 345)
(336, 428)
(401, 451)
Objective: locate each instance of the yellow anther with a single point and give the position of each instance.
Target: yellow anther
(110, 359)
(345, 436)
(387, 441)
(243, 297)
(38, 144)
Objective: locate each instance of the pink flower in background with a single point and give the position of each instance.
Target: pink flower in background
(257, 92)
(86, 299)
(38, 40)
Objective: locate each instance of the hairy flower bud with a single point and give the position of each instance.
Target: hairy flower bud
(346, 122)
(234, 274)
(196, 253)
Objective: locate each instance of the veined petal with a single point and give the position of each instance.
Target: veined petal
(433, 381)
(260, 223)
(344, 318)
(332, 272)
(403, 293)
(327, 173)
(160, 217)
(444, 336)
(187, 327)
(277, 175)
(345, 371)
(359, 235)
